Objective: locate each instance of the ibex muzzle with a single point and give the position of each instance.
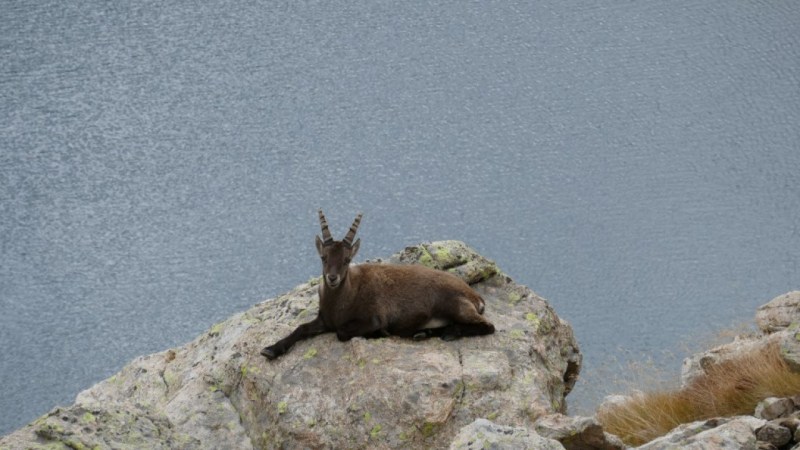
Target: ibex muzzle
(374, 300)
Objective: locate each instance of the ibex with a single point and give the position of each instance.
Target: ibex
(375, 300)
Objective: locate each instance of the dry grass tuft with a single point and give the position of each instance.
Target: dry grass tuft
(730, 388)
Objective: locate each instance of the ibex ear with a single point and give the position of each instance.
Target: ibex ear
(319, 245)
(354, 248)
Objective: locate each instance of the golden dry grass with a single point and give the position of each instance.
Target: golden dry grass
(730, 388)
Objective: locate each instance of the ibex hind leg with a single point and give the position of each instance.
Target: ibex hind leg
(466, 321)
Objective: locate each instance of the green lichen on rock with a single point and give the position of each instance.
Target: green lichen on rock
(49, 430)
(533, 319)
(215, 330)
(376, 431)
(88, 417)
(282, 407)
(516, 333)
(425, 257)
(310, 353)
(428, 429)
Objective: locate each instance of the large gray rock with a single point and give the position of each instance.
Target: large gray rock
(219, 392)
(726, 433)
(482, 434)
(779, 313)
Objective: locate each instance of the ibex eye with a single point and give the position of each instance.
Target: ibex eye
(347, 260)
(324, 258)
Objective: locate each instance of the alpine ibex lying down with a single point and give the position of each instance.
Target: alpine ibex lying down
(373, 300)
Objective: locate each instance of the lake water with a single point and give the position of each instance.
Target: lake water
(161, 164)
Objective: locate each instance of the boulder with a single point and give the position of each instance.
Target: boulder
(484, 434)
(219, 392)
(774, 434)
(772, 408)
(734, 432)
(779, 313)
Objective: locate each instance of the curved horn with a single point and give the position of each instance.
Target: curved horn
(326, 233)
(348, 240)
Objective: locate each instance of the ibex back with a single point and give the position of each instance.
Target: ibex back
(374, 300)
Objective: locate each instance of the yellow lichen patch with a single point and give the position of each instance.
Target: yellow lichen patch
(425, 259)
(533, 319)
(215, 330)
(376, 431)
(88, 418)
(249, 370)
(310, 353)
(428, 428)
(282, 407)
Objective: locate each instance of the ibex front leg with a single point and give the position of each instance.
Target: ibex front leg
(304, 331)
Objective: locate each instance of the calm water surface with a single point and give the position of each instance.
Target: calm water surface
(161, 165)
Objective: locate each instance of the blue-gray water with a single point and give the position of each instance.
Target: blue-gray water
(161, 164)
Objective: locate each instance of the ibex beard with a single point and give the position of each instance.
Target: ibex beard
(376, 300)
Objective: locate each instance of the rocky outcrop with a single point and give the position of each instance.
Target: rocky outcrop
(219, 392)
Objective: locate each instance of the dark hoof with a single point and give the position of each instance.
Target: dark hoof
(269, 353)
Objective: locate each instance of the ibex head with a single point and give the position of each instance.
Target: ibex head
(336, 255)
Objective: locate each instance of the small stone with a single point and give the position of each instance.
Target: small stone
(773, 408)
(774, 434)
